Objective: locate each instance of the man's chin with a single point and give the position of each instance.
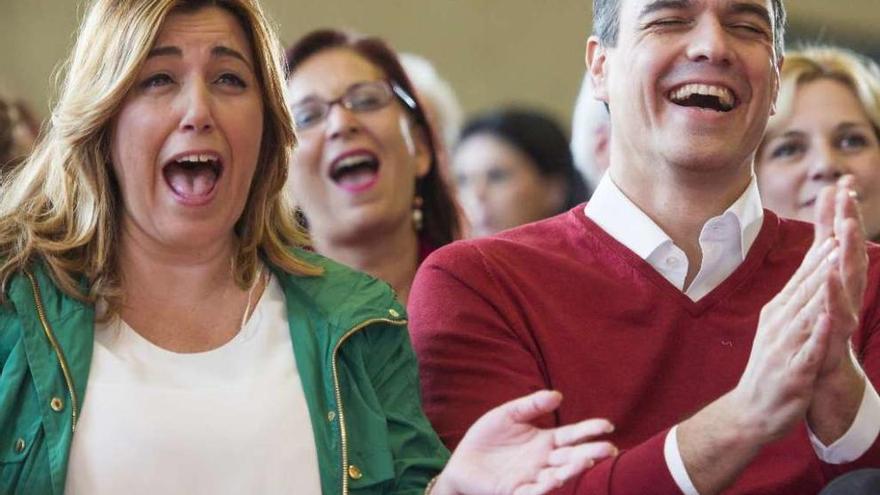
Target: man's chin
(706, 157)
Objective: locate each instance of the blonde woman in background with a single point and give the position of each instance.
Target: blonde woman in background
(161, 332)
(827, 125)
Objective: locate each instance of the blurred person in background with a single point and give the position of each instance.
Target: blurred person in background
(438, 98)
(590, 134)
(512, 167)
(827, 125)
(365, 174)
(18, 131)
(6, 135)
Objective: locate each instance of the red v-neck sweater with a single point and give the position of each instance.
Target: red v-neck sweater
(560, 304)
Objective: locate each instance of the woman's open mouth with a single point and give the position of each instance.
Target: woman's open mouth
(193, 177)
(355, 171)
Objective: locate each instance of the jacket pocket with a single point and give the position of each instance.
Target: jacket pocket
(370, 470)
(24, 463)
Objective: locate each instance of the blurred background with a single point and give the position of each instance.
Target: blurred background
(493, 52)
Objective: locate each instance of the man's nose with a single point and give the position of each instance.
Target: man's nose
(710, 43)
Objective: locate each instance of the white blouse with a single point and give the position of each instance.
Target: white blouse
(231, 420)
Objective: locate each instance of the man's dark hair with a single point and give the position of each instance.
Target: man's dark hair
(606, 23)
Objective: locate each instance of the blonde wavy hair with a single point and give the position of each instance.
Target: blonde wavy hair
(62, 206)
(808, 64)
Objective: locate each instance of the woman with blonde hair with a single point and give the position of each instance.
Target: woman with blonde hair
(161, 330)
(827, 125)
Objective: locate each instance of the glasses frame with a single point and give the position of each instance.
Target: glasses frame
(394, 90)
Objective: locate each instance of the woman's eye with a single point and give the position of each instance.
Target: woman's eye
(785, 150)
(852, 142)
(157, 80)
(231, 80)
(497, 175)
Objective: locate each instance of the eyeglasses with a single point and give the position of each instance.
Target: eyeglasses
(360, 97)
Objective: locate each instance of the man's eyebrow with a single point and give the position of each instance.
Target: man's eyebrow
(752, 8)
(664, 4)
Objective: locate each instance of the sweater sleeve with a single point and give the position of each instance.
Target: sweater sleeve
(476, 353)
(867, 422)
(866, 345)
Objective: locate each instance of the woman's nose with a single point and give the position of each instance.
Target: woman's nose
(198, 114)
(827, 165)
(341, 122)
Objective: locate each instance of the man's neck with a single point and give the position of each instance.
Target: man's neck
(391, 256)
(681, 201)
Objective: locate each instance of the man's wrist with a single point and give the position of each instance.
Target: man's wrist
(747, 428)
(836, 402)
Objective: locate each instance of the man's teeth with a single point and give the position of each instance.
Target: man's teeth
(724, 95)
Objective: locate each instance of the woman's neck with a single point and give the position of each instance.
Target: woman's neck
(182, 299)
(175, 273)
(392, 257)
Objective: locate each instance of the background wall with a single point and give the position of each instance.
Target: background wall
(492, 51)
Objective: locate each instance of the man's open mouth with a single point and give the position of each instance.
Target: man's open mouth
(193, 175)
(704, 96)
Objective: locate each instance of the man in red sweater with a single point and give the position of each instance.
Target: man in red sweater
(733, 350)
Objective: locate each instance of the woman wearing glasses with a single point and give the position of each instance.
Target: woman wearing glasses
(365, 174)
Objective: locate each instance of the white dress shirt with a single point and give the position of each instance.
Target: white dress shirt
(725, 241)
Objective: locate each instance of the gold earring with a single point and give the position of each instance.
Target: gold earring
(417, 215)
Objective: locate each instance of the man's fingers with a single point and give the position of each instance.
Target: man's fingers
(825, 213)
(843, 316)
(801, 324)
(578, 432)
(853, 262)
(532, 406)
(846, 203)
(812, 354)
(805, 291)
(814, 260)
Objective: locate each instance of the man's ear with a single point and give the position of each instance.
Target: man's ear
(596, 58)
(777, 81)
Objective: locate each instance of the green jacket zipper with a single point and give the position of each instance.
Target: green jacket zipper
(340, 413)
(58, 353)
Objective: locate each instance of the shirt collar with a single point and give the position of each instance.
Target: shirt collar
(611, 210)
